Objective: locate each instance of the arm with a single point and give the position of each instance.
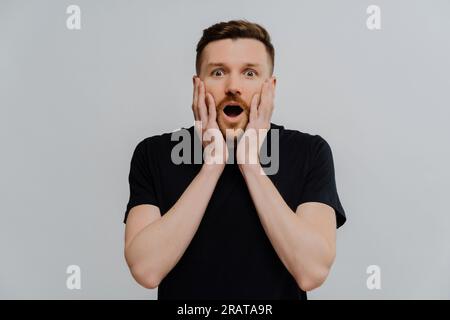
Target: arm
(153, 244)
(304, 240)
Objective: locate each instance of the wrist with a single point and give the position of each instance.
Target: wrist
(213, 169)
(251, 169)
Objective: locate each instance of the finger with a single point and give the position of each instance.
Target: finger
(195, 100)
(262, 108)
(202, 105)
(268, 101)
(272, 99)
(211, 107)
(254, 107)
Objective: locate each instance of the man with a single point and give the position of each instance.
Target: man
(218, 230)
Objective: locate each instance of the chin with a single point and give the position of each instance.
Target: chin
(235, 131)
(234, 135)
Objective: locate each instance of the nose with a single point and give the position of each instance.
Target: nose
(233, 86)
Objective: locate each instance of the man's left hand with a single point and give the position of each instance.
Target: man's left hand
(261, 108)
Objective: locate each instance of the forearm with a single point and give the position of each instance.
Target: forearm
(159, 246)
(302, 249)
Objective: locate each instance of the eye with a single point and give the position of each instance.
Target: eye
(217, 72)
(251, 73)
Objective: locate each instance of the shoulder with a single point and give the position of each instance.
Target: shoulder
(299, 140)
(161, 144)
(162, 139)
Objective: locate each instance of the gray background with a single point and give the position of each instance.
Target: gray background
(74, 104)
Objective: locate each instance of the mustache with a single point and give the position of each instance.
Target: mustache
(228, 99)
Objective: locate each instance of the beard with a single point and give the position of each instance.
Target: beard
(232, 116)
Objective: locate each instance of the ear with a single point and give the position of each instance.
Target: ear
(273, 79)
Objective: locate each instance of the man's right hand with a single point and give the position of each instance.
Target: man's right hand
(204, 109)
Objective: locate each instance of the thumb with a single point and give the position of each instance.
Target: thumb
(254, 107)
(211, 107)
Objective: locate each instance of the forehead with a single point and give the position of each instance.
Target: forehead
(235, 52)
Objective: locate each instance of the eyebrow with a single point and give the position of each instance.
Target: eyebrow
(220, 64)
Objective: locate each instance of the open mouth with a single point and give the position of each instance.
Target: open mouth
(233, 110)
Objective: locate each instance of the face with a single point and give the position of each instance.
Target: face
(233, 71)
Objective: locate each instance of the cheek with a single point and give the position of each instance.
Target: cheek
(256, 88)
(249, 96)
(253, 89)
(216, 91)
(212, 86)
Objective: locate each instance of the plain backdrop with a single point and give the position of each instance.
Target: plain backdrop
(74, 104)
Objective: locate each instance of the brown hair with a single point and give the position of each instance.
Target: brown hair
(234, 29)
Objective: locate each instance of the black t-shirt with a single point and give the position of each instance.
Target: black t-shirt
(230, 255)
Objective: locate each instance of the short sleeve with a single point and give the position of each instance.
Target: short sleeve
(320, 184)
(141, 179)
